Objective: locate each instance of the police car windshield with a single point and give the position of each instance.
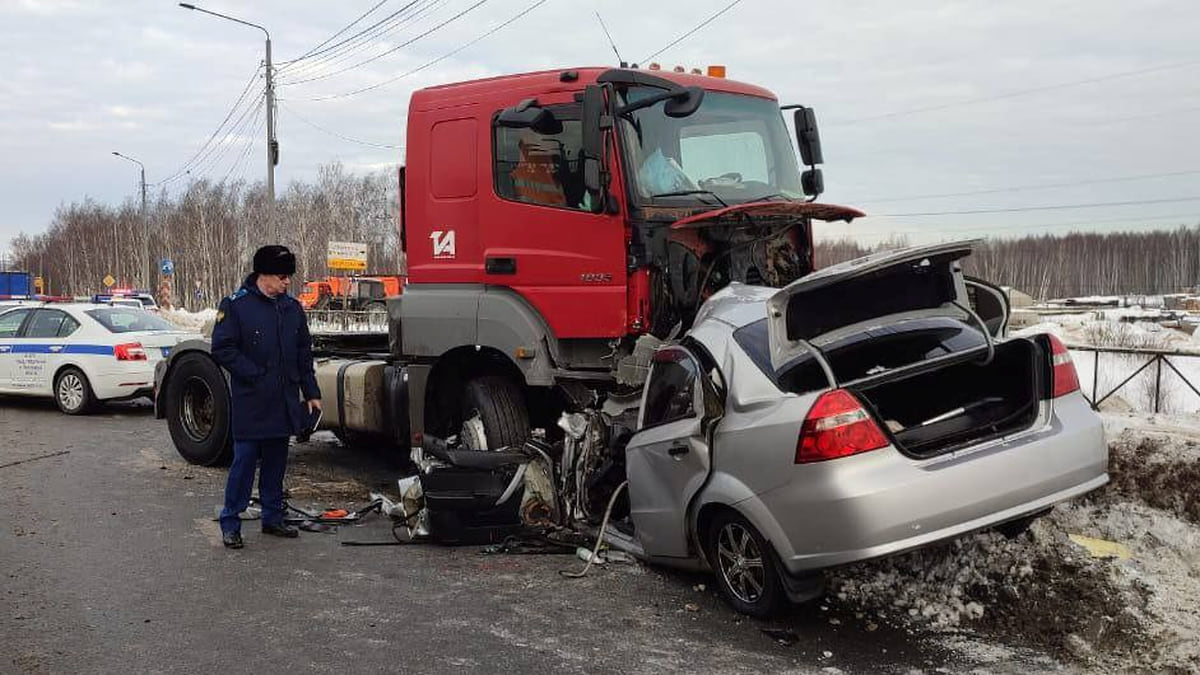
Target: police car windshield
(124, 320)
(733, 149)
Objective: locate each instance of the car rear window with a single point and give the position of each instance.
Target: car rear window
(864, 353)
(128, 320)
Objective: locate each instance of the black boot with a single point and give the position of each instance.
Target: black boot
(281, 530)
(232, 539)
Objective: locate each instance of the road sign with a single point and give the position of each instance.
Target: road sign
(346, 255)
(39, 284)
(109, 281)
(167, 266)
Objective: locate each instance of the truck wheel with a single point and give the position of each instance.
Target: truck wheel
(496, 404)
(73, 392)
(745, 565)
(197, 404)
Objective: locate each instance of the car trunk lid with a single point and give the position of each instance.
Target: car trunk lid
(865, 293)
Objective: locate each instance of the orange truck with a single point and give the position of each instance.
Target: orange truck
(356, 293)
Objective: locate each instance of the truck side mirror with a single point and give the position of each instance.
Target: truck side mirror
(812, 182)
(685, 105)
(525, 115)
(807, 137)
(593, 142)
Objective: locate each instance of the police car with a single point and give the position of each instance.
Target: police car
(81, 353)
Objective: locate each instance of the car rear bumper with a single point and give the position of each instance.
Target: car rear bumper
(882, 502)
(124, 383)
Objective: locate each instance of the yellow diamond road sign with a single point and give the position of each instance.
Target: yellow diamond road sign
(109, 281)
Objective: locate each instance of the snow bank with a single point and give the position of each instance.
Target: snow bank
(190, 321)
(1041, 589)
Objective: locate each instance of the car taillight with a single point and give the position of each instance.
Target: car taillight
(130, 351)
(1064, 377)
(837, 426)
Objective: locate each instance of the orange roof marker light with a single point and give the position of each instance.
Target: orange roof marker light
(716, 71)
(655, 66)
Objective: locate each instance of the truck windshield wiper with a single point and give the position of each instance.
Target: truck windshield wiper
(681, 193)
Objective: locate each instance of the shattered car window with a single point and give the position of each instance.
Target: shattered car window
(669, 395)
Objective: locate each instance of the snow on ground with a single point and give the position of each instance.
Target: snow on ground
(198, 322)
(1042, 590)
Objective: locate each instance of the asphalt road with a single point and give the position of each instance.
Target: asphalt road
(111, 561)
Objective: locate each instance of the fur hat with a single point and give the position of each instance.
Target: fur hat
(274, 259)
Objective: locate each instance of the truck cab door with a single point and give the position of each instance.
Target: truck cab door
(668, 460)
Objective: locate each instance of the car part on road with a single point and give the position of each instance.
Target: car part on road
(73, 392)
(599, 537)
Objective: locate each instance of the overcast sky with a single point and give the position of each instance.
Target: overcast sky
(1007, 100)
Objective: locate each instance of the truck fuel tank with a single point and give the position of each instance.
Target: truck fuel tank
(355, 395)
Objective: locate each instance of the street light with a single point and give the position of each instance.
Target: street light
(272, 143)
(145, 222)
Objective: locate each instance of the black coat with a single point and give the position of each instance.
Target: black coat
(265, 346)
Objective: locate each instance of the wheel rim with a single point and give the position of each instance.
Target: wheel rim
(70, 391)
(740, 561)
(197, 409)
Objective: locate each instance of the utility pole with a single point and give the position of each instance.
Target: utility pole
(145, 258)
(272, 142)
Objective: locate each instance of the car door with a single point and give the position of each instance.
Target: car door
(10, 327)
(44, 345)
(668, 460)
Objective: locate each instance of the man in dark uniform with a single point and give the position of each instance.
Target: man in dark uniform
(261, 337)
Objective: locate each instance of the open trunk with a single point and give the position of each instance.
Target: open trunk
(960, 403)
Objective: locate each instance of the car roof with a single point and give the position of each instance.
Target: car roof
(736, 305)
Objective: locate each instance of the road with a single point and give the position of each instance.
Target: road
(112, 562)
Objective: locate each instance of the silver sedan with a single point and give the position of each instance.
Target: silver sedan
(869, 408)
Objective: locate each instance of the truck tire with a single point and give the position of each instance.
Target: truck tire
(198, 414)
(745, 565)
(498, 403)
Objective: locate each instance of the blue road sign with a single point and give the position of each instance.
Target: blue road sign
(167, 266)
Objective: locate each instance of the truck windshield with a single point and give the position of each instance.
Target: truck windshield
(733, 149)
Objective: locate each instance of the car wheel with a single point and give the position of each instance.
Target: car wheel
(493, 414)
(198, 415)
(745, 565)
(73, 392)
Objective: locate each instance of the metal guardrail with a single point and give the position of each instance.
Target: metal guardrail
(1157, 357)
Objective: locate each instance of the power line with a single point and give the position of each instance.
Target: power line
(1022, 188)
(395, 49)
(694, 30)
(218, 151)
(182, 170)
(358, 45)
(239, 164)
(318, 51)
(1053, 207)
(333, 37)
(443, 57)
(335, 134)
(1021, 92)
